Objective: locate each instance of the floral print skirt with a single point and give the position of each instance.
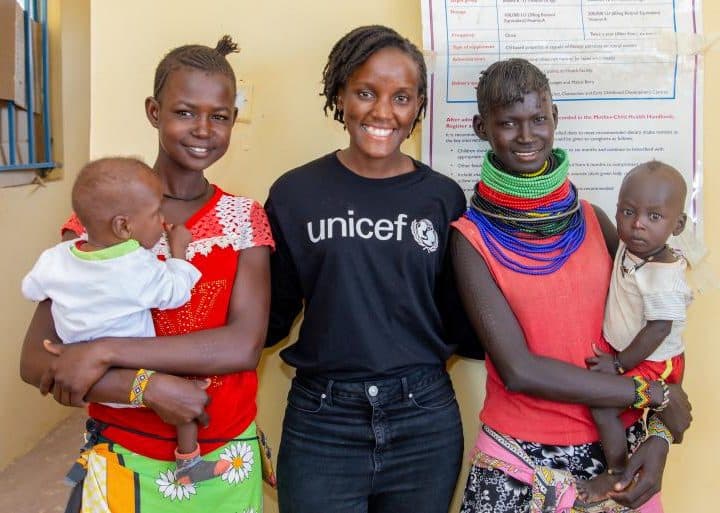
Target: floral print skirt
(120, 481)
(493, 491)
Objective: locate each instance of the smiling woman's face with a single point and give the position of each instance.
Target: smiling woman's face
(520, 134)
(380, 103)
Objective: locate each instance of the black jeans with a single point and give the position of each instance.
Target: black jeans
(379, 446)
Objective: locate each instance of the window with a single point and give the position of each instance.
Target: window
(25, 137)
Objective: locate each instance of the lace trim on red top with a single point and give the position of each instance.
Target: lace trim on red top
(238, 222)
(73, 225)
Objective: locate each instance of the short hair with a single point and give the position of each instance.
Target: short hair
(659, 167)
(199, 57)
(507, 82)
(104, 188)
(353, 49)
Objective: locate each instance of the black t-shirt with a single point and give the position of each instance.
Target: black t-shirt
(368, 258)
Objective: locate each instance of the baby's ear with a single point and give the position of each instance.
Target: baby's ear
(120, 226)
(680, 225)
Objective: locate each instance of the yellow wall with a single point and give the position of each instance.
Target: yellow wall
(282, 57)
(29, 218)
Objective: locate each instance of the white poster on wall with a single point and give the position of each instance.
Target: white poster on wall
(626, 76)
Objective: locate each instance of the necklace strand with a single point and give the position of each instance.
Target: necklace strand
(550, 219)
(524, 186)
(194, 198)
(629, 271)
(537, 216)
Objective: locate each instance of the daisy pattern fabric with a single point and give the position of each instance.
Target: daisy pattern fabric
(119, 480)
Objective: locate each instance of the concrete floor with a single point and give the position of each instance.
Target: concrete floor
(35, 482)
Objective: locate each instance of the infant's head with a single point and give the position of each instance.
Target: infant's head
(650, 207)
(117, 199)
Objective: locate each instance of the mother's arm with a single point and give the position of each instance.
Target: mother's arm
(504, 342)
(234, 347)
(230, 348)
(34, 359)
(175, 400)
(608, 229)
(528, 373)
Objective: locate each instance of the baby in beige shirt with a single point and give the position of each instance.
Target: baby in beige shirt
(646, 306)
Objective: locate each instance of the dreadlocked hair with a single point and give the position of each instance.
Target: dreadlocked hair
(353, 49)
(507, 82)
(199, 57)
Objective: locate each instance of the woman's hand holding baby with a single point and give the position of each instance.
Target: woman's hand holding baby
(177, 400)
(77, 368)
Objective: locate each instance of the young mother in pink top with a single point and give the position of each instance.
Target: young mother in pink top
(533, 265)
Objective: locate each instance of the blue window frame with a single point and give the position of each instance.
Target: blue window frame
(33, 10)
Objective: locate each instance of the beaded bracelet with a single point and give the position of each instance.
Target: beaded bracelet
(619, 369)
(642, 393)
(666, 396)
(137, 390)
(655, 427)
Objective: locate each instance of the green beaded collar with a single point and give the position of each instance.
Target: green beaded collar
(524, 187)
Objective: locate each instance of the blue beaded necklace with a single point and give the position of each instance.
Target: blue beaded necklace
(505, 235)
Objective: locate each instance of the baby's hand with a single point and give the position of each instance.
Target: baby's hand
(601, 362)
(178, 239)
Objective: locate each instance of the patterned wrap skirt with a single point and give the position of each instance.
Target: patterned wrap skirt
(120, 481)
(493, 491)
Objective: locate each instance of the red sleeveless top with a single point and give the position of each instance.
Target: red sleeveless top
(561, 315)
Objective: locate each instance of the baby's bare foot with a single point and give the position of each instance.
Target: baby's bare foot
(597, 488)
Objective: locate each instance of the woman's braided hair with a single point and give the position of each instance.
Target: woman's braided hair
(353, 49)
(199, 57)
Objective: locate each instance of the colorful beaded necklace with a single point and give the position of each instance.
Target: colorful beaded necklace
(536, 216)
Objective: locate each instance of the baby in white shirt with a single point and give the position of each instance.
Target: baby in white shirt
(106, 285)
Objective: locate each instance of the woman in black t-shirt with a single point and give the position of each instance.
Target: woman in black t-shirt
(372, 424)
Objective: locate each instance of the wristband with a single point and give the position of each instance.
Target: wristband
(655, 427)
(137, 390)
(642, 393)
(666, 396)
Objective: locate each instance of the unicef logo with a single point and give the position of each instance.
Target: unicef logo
(425, 234)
